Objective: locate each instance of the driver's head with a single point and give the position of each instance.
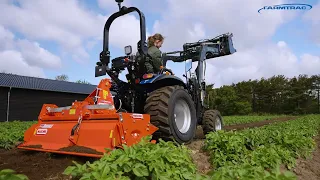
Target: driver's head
(155, 40)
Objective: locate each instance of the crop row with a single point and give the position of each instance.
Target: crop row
(249, 153)
(231, 120)
(12, 132)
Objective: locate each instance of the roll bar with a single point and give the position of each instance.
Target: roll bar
(142, 45)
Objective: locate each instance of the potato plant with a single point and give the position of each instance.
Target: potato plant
(6, 174)
(145, 160)
(253, 151)
(13, 132)
(231, 120)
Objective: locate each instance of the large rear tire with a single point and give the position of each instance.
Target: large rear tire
(172, 110)
(212, 121)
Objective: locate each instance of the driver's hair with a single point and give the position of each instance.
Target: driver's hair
(155, 37)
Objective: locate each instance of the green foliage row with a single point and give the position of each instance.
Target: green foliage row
(9, 174)
(249, 153)
(164, 160)
(230, 120)
(13, 132)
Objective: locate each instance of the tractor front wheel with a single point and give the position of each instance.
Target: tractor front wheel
(212, 121)
(172, 110)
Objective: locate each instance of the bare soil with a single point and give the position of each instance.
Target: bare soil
(200, 135)
(309, 168)
(259, 123)
(38, 165)
(80, 149)
(200, 158)
(46, 166)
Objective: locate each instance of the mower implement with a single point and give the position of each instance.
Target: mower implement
(86, 128)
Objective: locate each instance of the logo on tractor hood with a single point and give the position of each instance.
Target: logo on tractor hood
(294, 6)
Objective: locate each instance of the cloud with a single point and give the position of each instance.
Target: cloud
(65, 22)
(265, 61)
(111, 5)
(257, 56)
(6, 37)
(217, 17)
(272, 59)
(147, 7)
(12, 62)
(75, 28)
(312, 18)
(34, 55)
(124, 31)
(21, 56)
(309, 64)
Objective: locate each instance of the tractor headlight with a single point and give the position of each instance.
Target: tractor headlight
(128, 50)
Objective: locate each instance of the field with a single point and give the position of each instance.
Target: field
(250, 147)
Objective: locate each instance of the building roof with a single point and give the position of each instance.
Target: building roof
(26, 82)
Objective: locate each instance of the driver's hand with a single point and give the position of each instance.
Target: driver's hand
(161, 67)
(170, 71)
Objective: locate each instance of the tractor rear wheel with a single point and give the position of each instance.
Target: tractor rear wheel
(212, 121)
(172, 110)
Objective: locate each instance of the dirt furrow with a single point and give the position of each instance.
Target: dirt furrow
(199, 132)
(37, 165)
(309, 168)
(258, 123)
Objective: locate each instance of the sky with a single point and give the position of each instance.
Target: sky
(49, 38)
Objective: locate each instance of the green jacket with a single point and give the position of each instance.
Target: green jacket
(153, 64)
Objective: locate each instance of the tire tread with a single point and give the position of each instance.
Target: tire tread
(209, 117)
(157, 104)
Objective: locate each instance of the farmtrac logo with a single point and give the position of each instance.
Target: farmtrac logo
(286, 7)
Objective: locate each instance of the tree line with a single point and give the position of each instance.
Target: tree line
(64, 77)
(274, 95)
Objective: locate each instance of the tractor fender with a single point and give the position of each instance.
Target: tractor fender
(162, 80)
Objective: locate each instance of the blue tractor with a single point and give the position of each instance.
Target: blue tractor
(175, 107)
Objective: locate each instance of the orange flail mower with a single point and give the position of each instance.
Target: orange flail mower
(86, 127)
